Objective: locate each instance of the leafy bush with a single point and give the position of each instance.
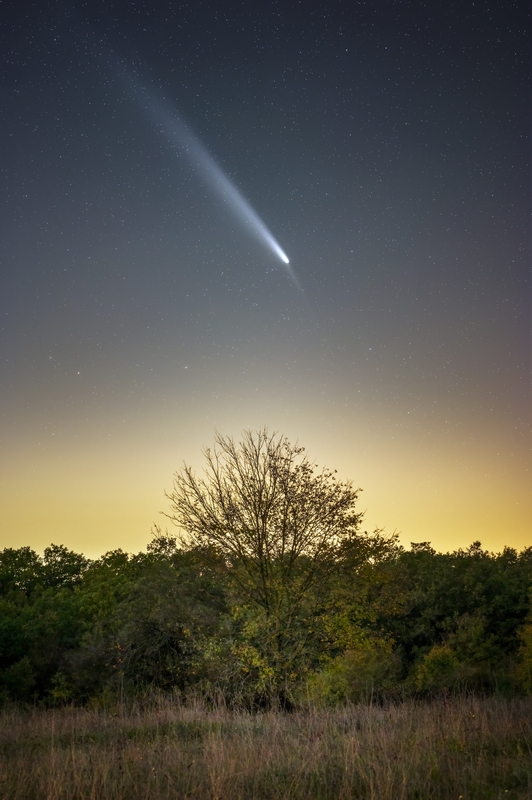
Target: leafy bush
(369, 671)
(438, 670)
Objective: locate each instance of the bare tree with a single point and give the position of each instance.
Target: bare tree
(274, 518)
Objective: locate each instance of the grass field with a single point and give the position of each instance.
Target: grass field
(467, 748)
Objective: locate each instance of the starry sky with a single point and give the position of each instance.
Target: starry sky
(385, 146)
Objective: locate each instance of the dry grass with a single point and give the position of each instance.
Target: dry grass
(467, 749)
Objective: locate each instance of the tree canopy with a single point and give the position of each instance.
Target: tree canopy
(265, 508)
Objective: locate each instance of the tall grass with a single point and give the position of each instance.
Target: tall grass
(468, 748)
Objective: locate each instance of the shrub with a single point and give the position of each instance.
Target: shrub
(19, 679)
(368, 671)
(438, 670)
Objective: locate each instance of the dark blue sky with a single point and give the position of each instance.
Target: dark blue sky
(387, 148)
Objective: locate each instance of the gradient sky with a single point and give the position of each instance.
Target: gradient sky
(385, 145)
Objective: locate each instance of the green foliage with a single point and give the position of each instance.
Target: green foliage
(365, 672)
(380, 622)
(151, 614)
(39, 616)
(471, 601)
(277, 524)
(275, 598)
(523, 669)
(19, 679)
(20, 572)
(437, 670)
(61, 691)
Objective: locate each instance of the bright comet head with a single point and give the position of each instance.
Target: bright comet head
(180, 136)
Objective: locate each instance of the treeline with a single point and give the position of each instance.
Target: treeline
(386, 623)
(273, 595)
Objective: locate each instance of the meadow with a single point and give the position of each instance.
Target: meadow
(461, 748)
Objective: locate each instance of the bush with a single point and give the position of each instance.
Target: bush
(19, 679)
(369, 671)
(438, 670)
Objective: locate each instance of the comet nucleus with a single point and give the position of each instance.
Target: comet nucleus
(178, 134)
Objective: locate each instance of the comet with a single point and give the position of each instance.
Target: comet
(180, 136)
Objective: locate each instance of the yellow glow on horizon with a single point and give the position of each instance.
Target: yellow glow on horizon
(102, 496)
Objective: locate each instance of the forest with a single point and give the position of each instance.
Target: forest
(270, 595)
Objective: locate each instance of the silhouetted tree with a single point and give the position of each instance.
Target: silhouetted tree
(277, 522)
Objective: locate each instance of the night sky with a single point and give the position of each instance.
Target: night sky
(385, 146)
